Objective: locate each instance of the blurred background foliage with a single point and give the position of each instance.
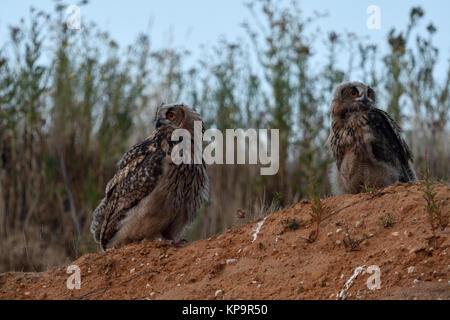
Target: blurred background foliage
(72, 102)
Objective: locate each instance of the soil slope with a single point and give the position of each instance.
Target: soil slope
(273, 259)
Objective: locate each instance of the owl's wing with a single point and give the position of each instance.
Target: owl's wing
(388, 145)
(138, 174)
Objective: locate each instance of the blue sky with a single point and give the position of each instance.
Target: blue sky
(192, 23)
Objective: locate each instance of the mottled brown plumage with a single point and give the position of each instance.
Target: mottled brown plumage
(366, 142)
(150, 196)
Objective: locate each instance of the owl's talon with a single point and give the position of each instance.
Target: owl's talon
(178, 242)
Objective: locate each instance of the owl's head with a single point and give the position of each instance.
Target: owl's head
(176, 116)
(352, 97)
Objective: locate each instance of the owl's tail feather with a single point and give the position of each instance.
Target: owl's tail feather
(97, 220)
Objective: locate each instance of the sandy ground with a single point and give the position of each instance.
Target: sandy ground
(266, 259)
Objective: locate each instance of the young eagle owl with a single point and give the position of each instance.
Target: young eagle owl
(150, 196)
(366, 142)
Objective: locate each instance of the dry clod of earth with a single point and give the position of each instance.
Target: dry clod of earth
(259, 261)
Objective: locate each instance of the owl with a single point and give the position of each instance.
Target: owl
(367, 145)
(150, 196)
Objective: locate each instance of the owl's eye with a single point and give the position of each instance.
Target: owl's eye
(170, 115)
(354, 93)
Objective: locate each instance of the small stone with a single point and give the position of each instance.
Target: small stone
(416, 281)
(329, 234)
(178, 284)
(147, 285)
(439, 280)
(89, 270)
(407, 233)
(133, 259)
(219, 293)
(396, 233)
(153, 294)
(191, 280)
(412, 269)
(254, 282)
(27, 293)
(259, 286)
(338, 241)
(363, 215)
(338, 230)
(229, 261)
(133, 270)
(358, 224)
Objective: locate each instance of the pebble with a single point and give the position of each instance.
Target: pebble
(133, 270)
(363, 215)
(338, 241)
(396, 233)
(259, 286)
(412, 269)
(152, 294)
(416, 281)
(229, 261)
(219, 293)
(27, 293)
(191, 280)
(147, 285)
(330, 234)
(338, 230)
(358, 224)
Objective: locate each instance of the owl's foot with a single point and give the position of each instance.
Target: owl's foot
(179, 242)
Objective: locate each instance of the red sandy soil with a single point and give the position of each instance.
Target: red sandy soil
(280, 263)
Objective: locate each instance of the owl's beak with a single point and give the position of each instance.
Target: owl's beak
(158, 123)
(366, 99)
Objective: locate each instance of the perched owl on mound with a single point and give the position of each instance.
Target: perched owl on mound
(150, 196)
(366, 142)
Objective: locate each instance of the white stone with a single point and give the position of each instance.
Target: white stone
(219, 293)
(412, 269)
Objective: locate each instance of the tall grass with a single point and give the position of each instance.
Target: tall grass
(72, 101)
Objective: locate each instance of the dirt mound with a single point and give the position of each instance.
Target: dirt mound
(273, 259)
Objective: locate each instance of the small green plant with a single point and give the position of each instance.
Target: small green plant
(353, 244)
(369, 187)
(316, 209)
(387, 220)
(291, 224)
(432, 207)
